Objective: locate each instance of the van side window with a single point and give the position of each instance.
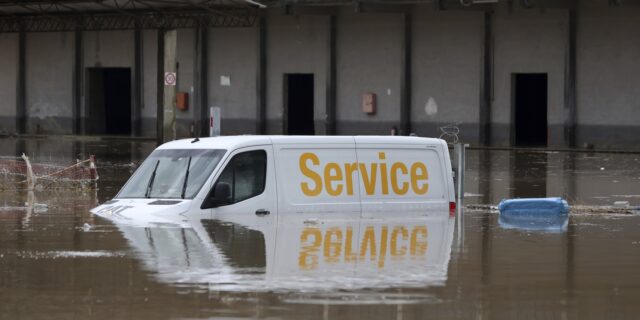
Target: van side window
(245, 174)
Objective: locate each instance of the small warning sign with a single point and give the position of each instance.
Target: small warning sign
(169, 78)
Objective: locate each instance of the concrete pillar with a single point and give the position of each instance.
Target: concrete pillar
(169, 95)
(570, 83)
(331, 77)
(261, 92)
(78, 67)
(21, 98)
(160, 88)
(486, 82)
(405, 80)
(202, 82)
(137, 92)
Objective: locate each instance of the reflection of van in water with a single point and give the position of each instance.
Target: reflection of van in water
(275, 175)
(347, 252)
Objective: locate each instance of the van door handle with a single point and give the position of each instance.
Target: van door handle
(262, 212)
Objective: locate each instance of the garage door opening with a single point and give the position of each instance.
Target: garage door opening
(108, 101)
(530, 104)
(298, 104)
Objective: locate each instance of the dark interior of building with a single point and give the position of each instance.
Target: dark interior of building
(530, 104)
(109, 101)
(299, 104)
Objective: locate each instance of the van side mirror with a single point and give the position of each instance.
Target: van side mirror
(220, 196)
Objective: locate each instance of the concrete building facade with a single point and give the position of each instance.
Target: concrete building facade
(477, 69)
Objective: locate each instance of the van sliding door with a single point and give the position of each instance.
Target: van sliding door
(319, 212)
(319, 180)
(400, 178)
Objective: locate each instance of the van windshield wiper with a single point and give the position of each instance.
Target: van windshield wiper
(153, 177)
(186, 178)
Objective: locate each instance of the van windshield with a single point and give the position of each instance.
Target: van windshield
(172, 174)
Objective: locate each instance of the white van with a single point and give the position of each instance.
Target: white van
(267, 176)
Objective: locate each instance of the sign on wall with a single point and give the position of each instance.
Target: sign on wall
(169, 78)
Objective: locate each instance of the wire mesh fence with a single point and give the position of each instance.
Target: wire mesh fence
(19, 173)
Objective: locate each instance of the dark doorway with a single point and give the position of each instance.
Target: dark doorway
(298, 105)
(530, 104)
(108, 101)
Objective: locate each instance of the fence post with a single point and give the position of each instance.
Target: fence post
(459, 150)
(93, 171)
(31, 178)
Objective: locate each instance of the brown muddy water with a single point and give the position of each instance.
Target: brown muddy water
(58, 261)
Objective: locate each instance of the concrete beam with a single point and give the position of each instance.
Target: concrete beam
(382, 8)
(405, 80)
(624, 2)
(546, 4)
(458, 5)
(21, 99)
(311, 10)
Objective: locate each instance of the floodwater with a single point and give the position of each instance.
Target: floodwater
(57, 260)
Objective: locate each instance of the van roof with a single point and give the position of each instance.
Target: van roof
(233, 142)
